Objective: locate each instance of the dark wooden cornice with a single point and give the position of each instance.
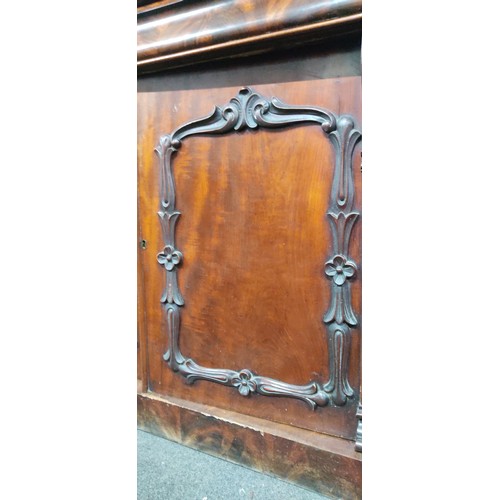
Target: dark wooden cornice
(178, 33)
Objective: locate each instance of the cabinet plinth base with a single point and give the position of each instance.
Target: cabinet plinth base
(315, 461)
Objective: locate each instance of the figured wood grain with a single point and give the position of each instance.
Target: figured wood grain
(255, 236)
(320, 463)
(188, 32)
(144, 6)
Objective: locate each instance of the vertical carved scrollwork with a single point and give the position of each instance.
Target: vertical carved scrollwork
(340, 269)
(339, 343)
(173, 356)
(169, 257)
(250, 110)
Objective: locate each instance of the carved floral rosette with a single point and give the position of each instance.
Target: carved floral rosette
(251, 110)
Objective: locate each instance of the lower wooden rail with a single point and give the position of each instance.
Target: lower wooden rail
(322, 463)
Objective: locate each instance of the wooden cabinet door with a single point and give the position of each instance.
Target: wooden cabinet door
(250, 204)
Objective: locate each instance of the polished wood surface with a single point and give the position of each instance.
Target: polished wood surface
(325, 464)
(148, 5)
(255, 236)
(187, 32)
(253, 232)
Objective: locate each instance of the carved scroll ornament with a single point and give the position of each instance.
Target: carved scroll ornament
(251, 110)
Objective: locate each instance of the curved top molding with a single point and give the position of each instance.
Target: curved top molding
(177, 34)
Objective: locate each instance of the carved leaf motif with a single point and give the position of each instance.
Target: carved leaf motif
(168, 221)
(341, 225)
(171, 294)
(340, 309)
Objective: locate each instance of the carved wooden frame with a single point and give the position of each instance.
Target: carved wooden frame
(250, 109)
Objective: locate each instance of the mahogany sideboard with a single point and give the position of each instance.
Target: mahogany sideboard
(249, 234)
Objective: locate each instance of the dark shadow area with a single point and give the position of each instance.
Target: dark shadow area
(328, 59)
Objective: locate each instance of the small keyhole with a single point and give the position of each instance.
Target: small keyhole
(144, 244)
